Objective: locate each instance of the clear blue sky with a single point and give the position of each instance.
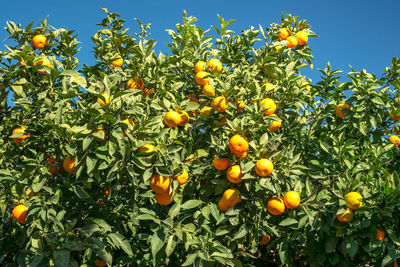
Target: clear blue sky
(363, 34)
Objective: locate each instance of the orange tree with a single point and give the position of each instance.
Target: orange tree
(218, 153)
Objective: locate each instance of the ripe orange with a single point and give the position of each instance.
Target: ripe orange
(292, 42)
(284, 33)
(201, 78)
(42, 62)
(241, 156)
(275, 125)
(135, 83)
(118, 61)
(208, 90)
(291, 199)
(52, 165)
(148, 148)
(130, 124)
(100, 263)
(163, 198)
(339, 111)
(39, 41)
(353, 200)
(234, 174)
(380, 234)
(231, 196)
(206, 111)
(107, 192)
(106, 97)
(18, 140)
(69, 164)
(182, 179)
(160, 184)
(19, 213)
(100, 128)
(193, 98)
(275, 206)
(184, 118)
(395, 139)
(147, 92)
(268, 105)
(265, 240)
(302, 37)
(238, 144)
(264, 167)
(240, 104)
(200, 66)
(223, 206)
(220, 103)
(172, 118)
(214, 65)
(221, 163)
(268, 86)
(346, 216)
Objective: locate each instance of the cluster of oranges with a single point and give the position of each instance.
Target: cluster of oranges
(300, 38)
(39, 42)
(161, 186)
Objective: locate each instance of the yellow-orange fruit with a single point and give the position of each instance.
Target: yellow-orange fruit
(275, 125)
(346, 216)
(163, 198)
(201, 78)
(106, 100)
(39, 41)
(100, 128)
(276, 206)
(69, 164)
(339, 111)
(283, 33)
(395, 139)
(18, 140)
(52, 165)
(148, 148)
(221, 163)
(117, 61)
(291, 200)
(223, 206)
(234, 174)
(264, 167)
(238, 144)
(214, 65)
(241, 156)
(231, 196)
(208, 90)
(42, 62)
(182, 179)
(302, 37)
(100, 263)
(292, 42)
(128, 122)
(172, 118)
(220, 103)
(268, 105)
(240, 104)
(200, 66)
(160, 184)
(380, 234)
(135, 83)
(206, 111)
(265, 240)
(184, 118)
(19, 213)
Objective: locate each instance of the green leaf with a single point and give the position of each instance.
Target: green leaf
(121, 242)
(61, 257)
(351, 248)
(170, 245)
(174, 210)
(190, 259)
(157, 242)
(190, 204)
(330, 244)
(288, 221)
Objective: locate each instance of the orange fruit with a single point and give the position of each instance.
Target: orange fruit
(18, 140)
(234, 174)
(100, 263)
(208, 90)
(147, 148)
(39, 41)
(380, 234)
(339, 111)
(302, 37)
(172, 118)
(395, 264)
(268, 86)
(220, 103)
(353, 200)
(268, 105)
(163, 198)
(221, 163)
(19, 213)
(193, 98)
(240, 104)
(275, 125)
(206, 111)
(69, 164)
(265, 240)
(241, 156)
(182, 179)
(106, 97)
(130, 123)
(264, 167)
(107, 192)
(395, 139)
(292, 42)
(283, 33)
(147, 92)
(291, 199)
(201, 78)
(231, 196)
(346, 216)
(118, 61)
(223, 206)
(100, 128)
(275, 206)
(42, 62)
(200, 66)
(52, 165)
(135, 83)
(184, 118)
(214, 65)
(160, 184)
(238, 144)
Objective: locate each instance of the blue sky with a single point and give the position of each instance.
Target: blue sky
(362, 34)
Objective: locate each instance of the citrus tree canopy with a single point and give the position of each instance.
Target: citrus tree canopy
(218, 153)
